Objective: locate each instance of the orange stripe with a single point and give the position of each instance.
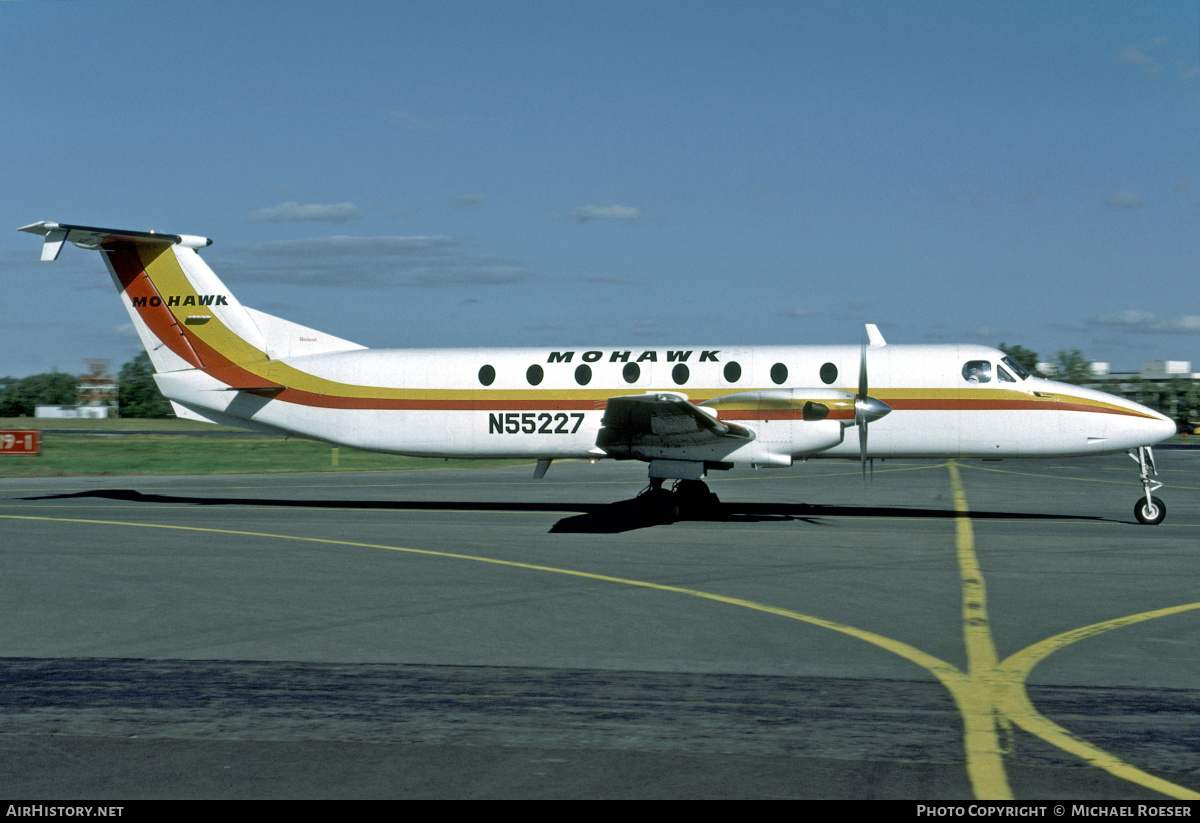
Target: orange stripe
(136, 285)
(991, 404)
(778, 414)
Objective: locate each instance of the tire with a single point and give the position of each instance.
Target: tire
(660, 506)
(1152, 514)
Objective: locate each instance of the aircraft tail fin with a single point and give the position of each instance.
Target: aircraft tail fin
(185, 316)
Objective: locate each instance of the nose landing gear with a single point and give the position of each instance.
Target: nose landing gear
(1148, 510)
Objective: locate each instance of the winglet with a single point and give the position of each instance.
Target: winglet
(874, 336)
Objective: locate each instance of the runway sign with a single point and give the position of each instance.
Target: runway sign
(20, 441)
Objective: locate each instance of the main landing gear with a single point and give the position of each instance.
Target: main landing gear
(1148, 510)
(687, 498)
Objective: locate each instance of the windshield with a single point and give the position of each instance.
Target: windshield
(1021, 371)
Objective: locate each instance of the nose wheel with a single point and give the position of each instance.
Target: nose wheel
(1149, 510)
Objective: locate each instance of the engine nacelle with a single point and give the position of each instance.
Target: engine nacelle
(816, 436)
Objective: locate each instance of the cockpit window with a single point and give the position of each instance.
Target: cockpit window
(1004, 376)
(1021, 371)
(977, 371)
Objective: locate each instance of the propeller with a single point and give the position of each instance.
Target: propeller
(867, 409)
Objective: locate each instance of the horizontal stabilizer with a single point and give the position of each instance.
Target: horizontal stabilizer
(93, 237)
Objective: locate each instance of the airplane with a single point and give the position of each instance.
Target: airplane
(685, 411)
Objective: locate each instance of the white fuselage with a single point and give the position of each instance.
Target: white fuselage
(539, 403)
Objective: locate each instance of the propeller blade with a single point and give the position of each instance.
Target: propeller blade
(866, 410)
(862, 371)
(862, 446)
(860, 417)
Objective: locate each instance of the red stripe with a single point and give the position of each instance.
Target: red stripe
(136, 284)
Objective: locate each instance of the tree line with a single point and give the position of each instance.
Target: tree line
(138, 393)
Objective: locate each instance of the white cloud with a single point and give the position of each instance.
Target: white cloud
(611, 212)
(598, 280)
(1134, 55)
(466, 201)
(1142, 54)
(1150, 58)
(416, 124)
(1186, 72)
(1128, 317)
(296, 212)
(1136, 320)
(647, 328)
(373, 262)
(1124, 199)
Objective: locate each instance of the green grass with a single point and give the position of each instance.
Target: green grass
(65, 453)
(170, 424)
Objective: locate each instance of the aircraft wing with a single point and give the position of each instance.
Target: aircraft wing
(637, 425)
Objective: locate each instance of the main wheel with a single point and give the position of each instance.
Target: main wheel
(660, 505)
(695, 498)
(1151, 513)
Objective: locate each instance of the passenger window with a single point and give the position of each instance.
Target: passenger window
(1004, 376)
(977, 371)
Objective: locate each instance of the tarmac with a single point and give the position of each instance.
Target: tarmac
(943, 631)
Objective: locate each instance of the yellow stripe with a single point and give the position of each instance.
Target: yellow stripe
(995, 693)
(1015, 702)
(977, 696)
(951, 394)
(168, 277)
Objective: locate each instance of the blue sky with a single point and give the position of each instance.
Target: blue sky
(617, 173)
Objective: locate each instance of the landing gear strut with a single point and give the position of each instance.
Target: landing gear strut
(661, 505)
(1148, 510)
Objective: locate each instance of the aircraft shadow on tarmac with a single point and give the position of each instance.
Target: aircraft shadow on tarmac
(590, 518)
